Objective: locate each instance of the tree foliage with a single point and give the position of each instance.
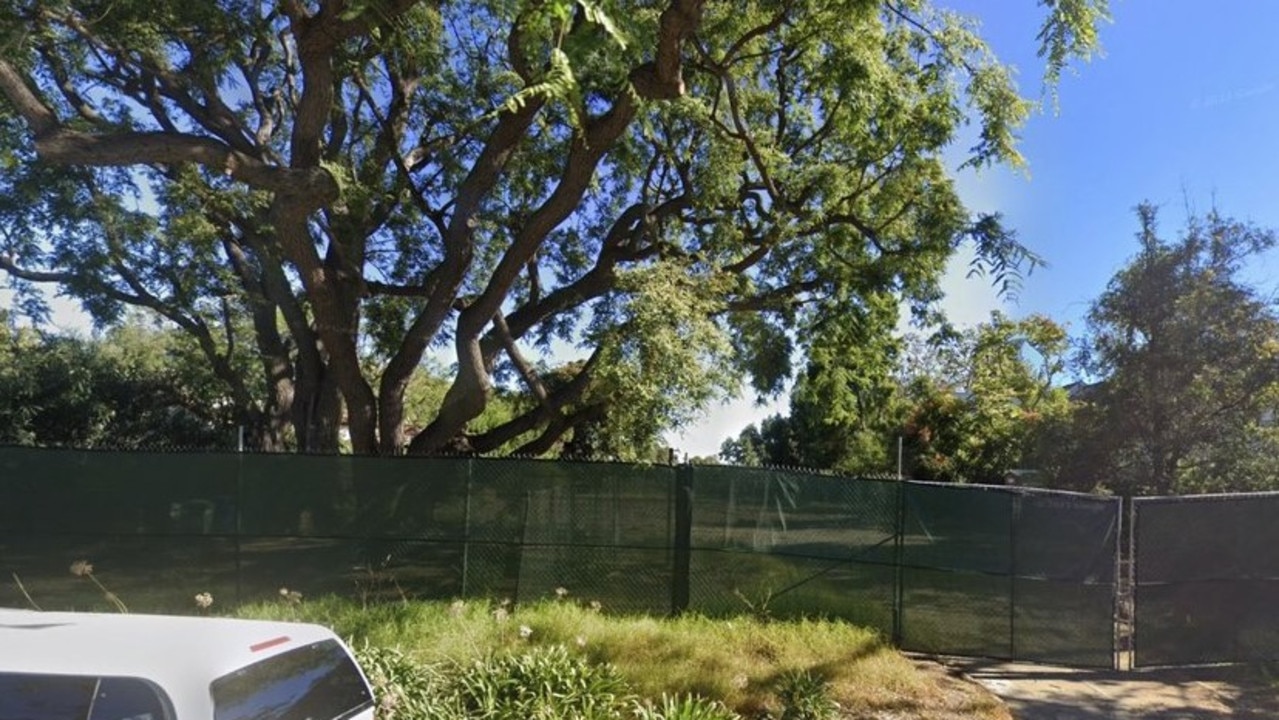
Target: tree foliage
(771, 443)
(967, 406)
(134, 387)
(678, 193)
(993, 394)
(1184, 355)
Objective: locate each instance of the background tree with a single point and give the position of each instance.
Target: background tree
(981, 406)
(772, 443)
(1185, 357)
(846, 404)
(134, 387)
(681, 192)
(970, 406)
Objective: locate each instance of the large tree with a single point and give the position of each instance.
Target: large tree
(680, 191)
(1184, 359)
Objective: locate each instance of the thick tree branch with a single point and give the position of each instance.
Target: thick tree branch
(446, 278)
(663, 79)
(278, 368)
(311, 187)
(543, 413)
(9, 265)
(39, 117)
(556, 430)
(73, 97)
(595, 283)
(525, 368)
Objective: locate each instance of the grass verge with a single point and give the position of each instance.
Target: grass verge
(752, 666)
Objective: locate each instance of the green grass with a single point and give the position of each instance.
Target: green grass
(746, 663)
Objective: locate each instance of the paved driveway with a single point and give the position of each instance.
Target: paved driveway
(1039, 692)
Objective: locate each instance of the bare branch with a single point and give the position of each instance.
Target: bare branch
(557, 429)
(9, 265)
(527, 372)
(562, 397)
(381, 288)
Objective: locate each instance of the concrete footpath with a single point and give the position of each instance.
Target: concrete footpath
(1039, 692)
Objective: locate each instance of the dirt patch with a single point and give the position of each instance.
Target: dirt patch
(946, 695)
(1039, 692)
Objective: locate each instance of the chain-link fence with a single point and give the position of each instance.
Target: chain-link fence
(1206, 579)
(161, 527)
(794, 544)
(997, 572)
(941, 568)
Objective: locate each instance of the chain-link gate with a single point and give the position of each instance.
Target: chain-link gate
(1009, 573)
(1206, 579)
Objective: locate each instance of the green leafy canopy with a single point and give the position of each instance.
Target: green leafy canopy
(598, 215)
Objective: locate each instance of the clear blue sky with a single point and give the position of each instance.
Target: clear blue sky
(1182, 108)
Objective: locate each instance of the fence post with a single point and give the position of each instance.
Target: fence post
(682, 542)
(899, 541)
(1122, 584)
(1014, 521)
(1132, 609)
(239, 526)
(466, 530)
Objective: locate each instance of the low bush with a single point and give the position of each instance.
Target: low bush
(543, 683)
(683, 707)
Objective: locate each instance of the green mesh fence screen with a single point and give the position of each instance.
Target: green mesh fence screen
(1065, 561)
(793, 544)
(956, 565)
(160, 528)
(1009, 573)
(1206, 579)
(941, 568)
(600, 532)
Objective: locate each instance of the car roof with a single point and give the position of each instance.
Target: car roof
(170, 650)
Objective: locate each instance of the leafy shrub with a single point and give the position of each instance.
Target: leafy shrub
(684, 707)
(805, 696)
(405, 689)
(543, 684)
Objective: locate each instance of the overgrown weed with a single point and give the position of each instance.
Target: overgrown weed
(776, 668)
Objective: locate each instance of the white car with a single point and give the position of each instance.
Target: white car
(88, 666)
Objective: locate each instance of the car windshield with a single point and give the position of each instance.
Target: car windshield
(316, 682)
(75, 697)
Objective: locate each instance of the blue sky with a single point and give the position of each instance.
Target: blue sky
(1181, 110)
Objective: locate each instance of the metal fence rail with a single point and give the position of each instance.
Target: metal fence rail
(999, 572)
